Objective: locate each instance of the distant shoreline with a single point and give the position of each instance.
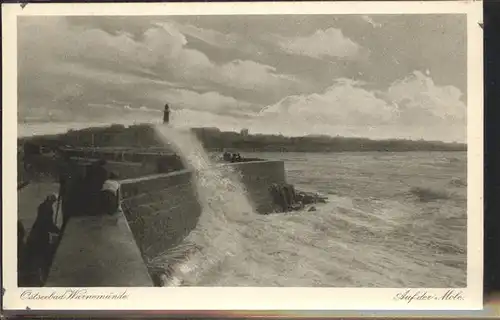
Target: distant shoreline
(213, 139)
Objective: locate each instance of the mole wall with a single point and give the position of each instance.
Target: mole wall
(163, 209)
(158, 212)
(125, 164)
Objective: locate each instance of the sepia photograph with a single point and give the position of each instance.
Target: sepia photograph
(292, 150)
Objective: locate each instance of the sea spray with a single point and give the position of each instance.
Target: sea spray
(224, 204)
(367, 235)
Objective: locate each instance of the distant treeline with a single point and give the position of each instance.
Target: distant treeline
(215, 140)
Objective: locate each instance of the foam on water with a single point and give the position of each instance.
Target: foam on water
(349, 242)
(387, 223)
(224, 204)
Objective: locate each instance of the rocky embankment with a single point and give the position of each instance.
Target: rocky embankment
(287, 198)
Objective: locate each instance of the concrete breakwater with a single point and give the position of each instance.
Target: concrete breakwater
(125, 163)
(158, 211)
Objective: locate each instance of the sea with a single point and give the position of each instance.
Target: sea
(391, 220)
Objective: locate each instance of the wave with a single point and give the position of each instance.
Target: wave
(425, 194)
(347, 242)
(458, 182)
(224, 205)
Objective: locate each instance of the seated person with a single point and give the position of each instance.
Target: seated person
(110, 196)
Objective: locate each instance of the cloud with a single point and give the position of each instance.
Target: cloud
(213, 102)
(92, 69)
(75, 66)
(119, 59)
(251, 75)
(217, 39)
(414, 107)
(155, 92)
(343, 102)
(90, 93)
(322, 43)
(369, 20)
(420, 100)
(187, 118)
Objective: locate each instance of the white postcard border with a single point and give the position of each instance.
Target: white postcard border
(194, 298)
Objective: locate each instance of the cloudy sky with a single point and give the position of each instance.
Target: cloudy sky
(379, 76)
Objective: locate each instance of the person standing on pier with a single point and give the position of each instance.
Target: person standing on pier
(95, 177)
(166, 114)
(21, 234)
(70, 185)
(99, 174)
(39, 249)
(64, 171)
(110, 195)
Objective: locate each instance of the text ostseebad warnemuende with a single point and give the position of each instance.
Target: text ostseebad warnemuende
(73, 294)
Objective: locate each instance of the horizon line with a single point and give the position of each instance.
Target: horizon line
(107, 125)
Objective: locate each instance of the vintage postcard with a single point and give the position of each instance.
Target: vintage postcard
(243, 156)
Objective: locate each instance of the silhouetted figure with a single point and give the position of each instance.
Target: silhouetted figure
(235, 157)
(64, 175)
(98, 174)
(227, 156)
(95, 177)
(166, 114)
(21, 234)
(71, 183)
(39, 249)
(110, 196)
(30, 151)
(63, 165)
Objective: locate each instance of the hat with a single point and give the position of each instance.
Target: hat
(52, 197)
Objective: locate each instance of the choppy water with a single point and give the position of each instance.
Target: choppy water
(393, 220)
(224, 207)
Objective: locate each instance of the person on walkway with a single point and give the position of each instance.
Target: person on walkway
(39, 247)
(70, 186)
(98, 174)
(110, 195)
(94, 180)
(21, 234)
(64, 171)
